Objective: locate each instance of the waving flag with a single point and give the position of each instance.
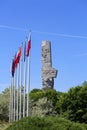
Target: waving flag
(15, 61)
(28, 47)
(14, 65)
(18, 56)
(13, 68)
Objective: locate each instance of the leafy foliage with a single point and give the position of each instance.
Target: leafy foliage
(73, 104)
(46, 123)
(4, 105)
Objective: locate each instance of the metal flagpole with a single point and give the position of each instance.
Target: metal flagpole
(10, 102)
(17, 113)
(11, 107)
(15, 85)
(20, 86)
(14, 97)
(28, 88)
(17, 95)
(28, 100)
(28, 108)
(12, 91)
(24, 88)
(20, 93)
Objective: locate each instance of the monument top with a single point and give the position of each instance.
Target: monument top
(44, 43)
(48, 73)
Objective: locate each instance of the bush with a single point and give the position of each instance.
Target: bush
(46, 123)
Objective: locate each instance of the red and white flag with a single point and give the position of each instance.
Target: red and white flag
(28, 47)
(18, 56)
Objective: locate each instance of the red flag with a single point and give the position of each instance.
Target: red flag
(28, 47)
(13, 68)
(17, 59)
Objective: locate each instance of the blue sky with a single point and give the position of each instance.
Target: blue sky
(63, 22)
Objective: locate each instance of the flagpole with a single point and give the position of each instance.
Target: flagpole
(12, 92)
(28, 87)
(10, 102)
(14, 96)
(20, 84)
(28, 100)
(18, 88)
(24, 88)
(20, 93)
(17, 95)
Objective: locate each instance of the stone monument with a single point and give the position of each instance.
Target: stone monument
(48, 73)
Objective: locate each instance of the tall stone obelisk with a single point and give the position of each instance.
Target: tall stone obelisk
(48, 73)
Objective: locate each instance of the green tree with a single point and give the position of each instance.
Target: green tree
(73, 104)
(4, 105)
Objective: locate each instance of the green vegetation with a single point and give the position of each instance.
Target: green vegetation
(4, 105)
(51, 109)
(71, 105)
(46, 123)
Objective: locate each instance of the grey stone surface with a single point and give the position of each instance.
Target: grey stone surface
(48, 73)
